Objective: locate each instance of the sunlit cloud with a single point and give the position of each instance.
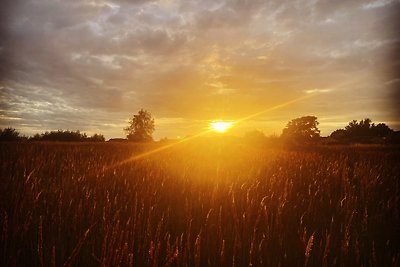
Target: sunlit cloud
(377, 4)
(316, 90)
(88, 64)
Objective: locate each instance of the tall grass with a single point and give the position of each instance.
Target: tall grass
(198, 204)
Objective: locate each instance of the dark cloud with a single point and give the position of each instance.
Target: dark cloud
(93, 63)
(393, 59)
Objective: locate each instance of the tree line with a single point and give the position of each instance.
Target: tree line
(305, 130)
(11, 134)
(299, 131)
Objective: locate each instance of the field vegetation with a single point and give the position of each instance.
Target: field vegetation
(199, 203)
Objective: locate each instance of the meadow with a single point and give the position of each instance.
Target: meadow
(200, 203)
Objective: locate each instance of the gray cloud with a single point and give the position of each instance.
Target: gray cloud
(93, 63)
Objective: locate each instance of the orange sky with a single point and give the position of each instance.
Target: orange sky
(90, 65)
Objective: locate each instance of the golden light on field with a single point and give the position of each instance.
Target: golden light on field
(220, 126)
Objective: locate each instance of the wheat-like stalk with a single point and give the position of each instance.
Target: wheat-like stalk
(308, 249)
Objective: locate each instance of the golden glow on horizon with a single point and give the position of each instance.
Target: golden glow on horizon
(221, 126)
(205, 132)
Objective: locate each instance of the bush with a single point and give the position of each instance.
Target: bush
(9, 134)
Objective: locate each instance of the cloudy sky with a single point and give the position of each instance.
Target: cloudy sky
(91, 64)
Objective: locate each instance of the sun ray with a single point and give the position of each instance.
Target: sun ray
(221, 127)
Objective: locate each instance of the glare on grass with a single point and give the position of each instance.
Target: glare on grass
(220, 126)
(217, 126)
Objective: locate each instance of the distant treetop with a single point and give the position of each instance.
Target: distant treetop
(67, 136)
(364, 131)
(301, 130)
(141, 127)
(9, 134)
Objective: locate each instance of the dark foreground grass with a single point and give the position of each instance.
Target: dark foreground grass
(198, 204)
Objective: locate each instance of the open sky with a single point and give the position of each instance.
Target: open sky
(92, 64)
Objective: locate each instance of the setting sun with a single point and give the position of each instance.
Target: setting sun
(221, 126)
(199, 133)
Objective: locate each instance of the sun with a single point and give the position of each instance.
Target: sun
(220, 126)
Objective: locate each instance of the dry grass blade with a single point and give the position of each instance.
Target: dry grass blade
(309, 248)
(75, 252)
(173, 208)
(53, 257)
(40, 241)
(197, 257)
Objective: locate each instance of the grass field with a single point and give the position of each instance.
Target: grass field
(199, 203)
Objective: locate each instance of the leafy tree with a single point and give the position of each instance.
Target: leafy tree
(359, 129)
(381, 130)
(141, 127)
(339, 134)
(301, 130)
(67, 136)
(96, 138)
(62, 136)
(363, 131)
(9, 134)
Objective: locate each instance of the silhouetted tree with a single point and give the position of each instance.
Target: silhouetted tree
(141, 127)
(301, 130)
(62, 136)
(381, 130)
(364, 131)
(96, 138)
(359, 129)
(9, 134)
(339, 134)
(67, 136)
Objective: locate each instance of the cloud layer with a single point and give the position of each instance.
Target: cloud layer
(89, 65)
